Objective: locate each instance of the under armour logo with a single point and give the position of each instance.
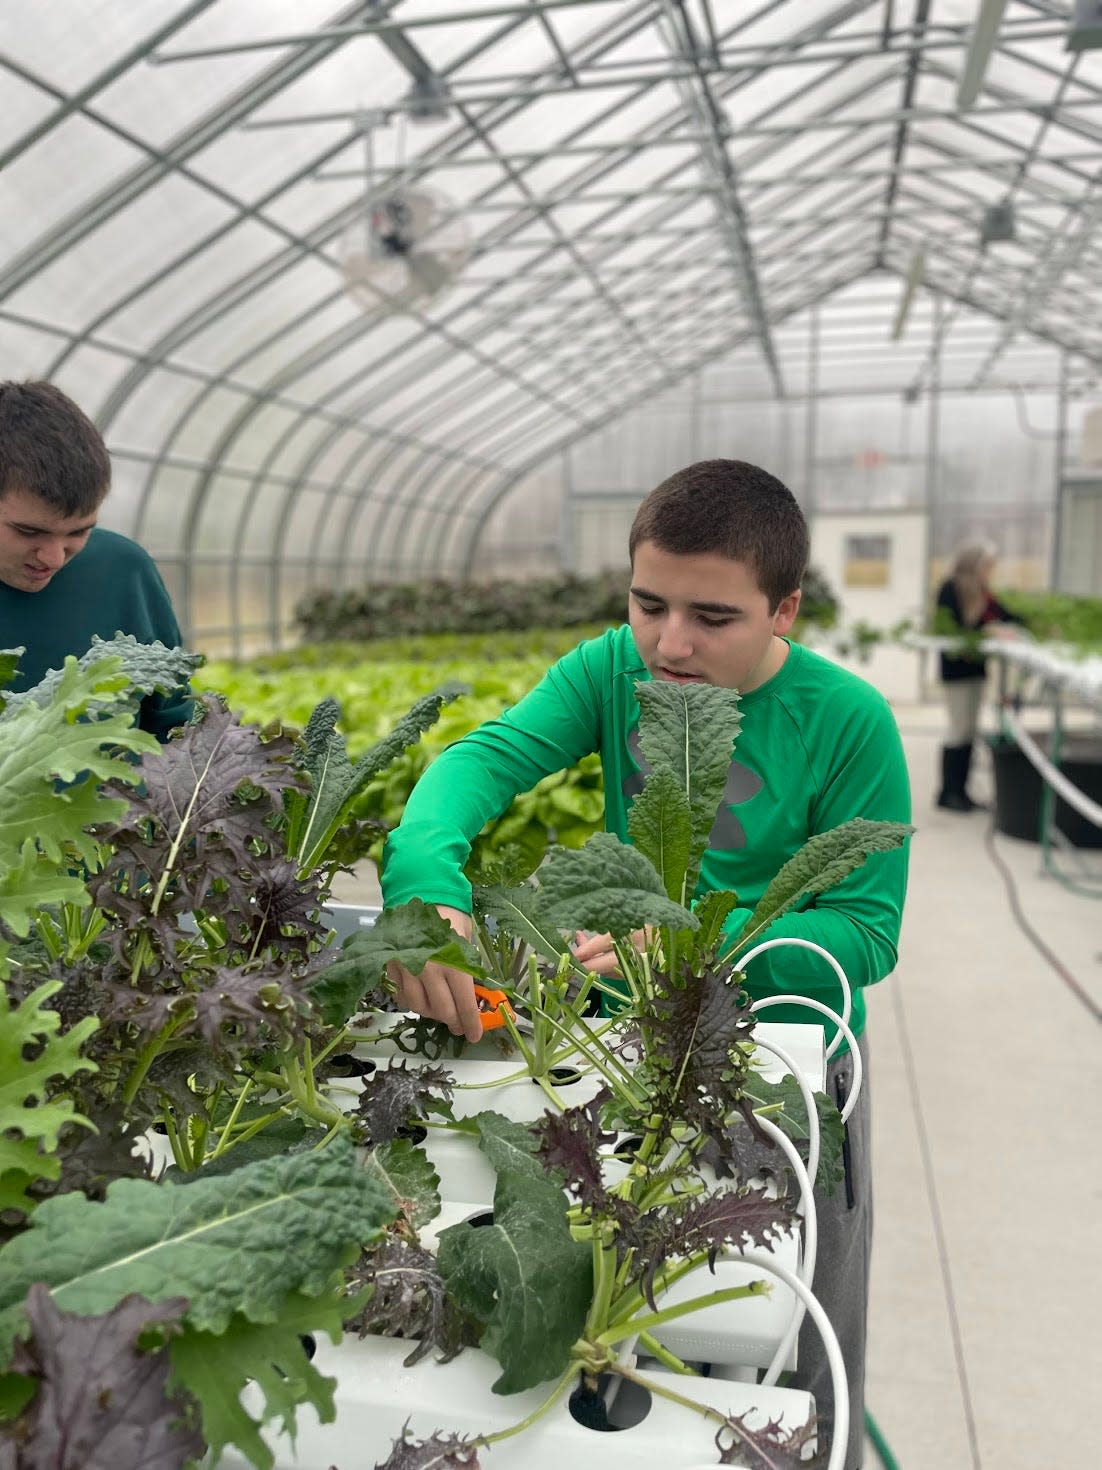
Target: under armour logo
(728, 833)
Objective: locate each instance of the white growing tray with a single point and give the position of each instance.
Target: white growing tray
(376, 1395)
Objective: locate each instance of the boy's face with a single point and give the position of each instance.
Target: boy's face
(704, 619)
(36, 541)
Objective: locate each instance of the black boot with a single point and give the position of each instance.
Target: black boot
(955, 760)
(966, 766)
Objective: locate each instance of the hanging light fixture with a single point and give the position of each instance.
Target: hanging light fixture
(1086, 26)
(998, 224)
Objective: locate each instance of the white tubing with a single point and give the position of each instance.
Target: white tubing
(847, 990)
(809, 1102)
(843, 1026)
(1051, 774)
(807, 1203)
(810, 1303)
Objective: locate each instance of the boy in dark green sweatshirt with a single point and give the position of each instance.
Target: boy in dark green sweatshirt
(62, 579)
(718, 552)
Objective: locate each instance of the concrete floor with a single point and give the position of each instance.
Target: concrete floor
(987, 1079)
(986, 1076)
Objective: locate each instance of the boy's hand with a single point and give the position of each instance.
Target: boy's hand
(439, 992)
(596, 952)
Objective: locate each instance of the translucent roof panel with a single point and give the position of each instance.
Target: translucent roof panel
(295, 254)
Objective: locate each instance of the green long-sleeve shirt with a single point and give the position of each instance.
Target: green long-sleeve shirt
(111, 586)
(817, 746)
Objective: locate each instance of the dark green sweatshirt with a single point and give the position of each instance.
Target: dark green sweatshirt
(111, 586)
(817, 746)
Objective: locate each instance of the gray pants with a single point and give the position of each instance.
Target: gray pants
(963, 698)
(842, 1268)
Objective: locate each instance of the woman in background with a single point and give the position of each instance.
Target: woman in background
(969, 605)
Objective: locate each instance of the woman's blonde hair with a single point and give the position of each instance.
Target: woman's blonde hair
(965, 573)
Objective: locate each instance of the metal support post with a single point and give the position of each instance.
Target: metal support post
(1056, 561)
(568, 529)
(811, 421)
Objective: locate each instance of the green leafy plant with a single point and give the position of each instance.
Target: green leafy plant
(246, 1260)
(576, 1264)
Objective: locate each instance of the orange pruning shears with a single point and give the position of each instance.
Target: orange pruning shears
(493, 1007)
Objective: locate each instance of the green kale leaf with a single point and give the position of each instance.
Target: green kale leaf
(524, 1278)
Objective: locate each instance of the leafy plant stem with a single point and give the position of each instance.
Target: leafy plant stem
(526, 1423)
(308, 1071)
(176, 1143)
(292, 1081)
(255, 1127)
(529, 1059)
(669, 1393)
(517, 1076)
(604, 1282)
(620, 1330)
(231, 1123)
(146, 1057)
(664, 1356)
(615, 1074)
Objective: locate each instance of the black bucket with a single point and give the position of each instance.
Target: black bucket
(1018, 787)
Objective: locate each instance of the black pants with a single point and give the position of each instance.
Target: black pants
(842, 1269)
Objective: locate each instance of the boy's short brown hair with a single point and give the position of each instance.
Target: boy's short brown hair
(732, 509)
(50, 449)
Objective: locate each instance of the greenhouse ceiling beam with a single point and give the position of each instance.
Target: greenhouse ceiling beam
(854, 267)
(735, 133)
(965, 295)
(409, 57)
(1065, 248)
(700, 103)
(342, 422)
(210, 311)
(369, 327)
(602, 39)
(198, 135)
(77, 101)
(239, 472)
(592, 225)
(961, 162)
(899, 145)
(1021, 178)
(854, 46)
(568, 244)
(838, 16)
(530, 9)
(441, 406)
(550, 450)
(246, 285)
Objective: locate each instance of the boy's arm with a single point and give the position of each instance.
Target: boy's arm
(858, 920)
(475, 779)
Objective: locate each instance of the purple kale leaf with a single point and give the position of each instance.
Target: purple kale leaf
(199, 834)
(395, 1096)
(771, 1448)
(569, 1143)
(693, 1034)
(233, 1008)
(441, 1452)
(284, 911)
(741, 1218)
(408, 1300)
(103, 1402)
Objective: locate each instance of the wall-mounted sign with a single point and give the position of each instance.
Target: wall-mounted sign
(867, 561)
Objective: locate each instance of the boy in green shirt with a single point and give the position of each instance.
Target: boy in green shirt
(718, 552)
(62, 579)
